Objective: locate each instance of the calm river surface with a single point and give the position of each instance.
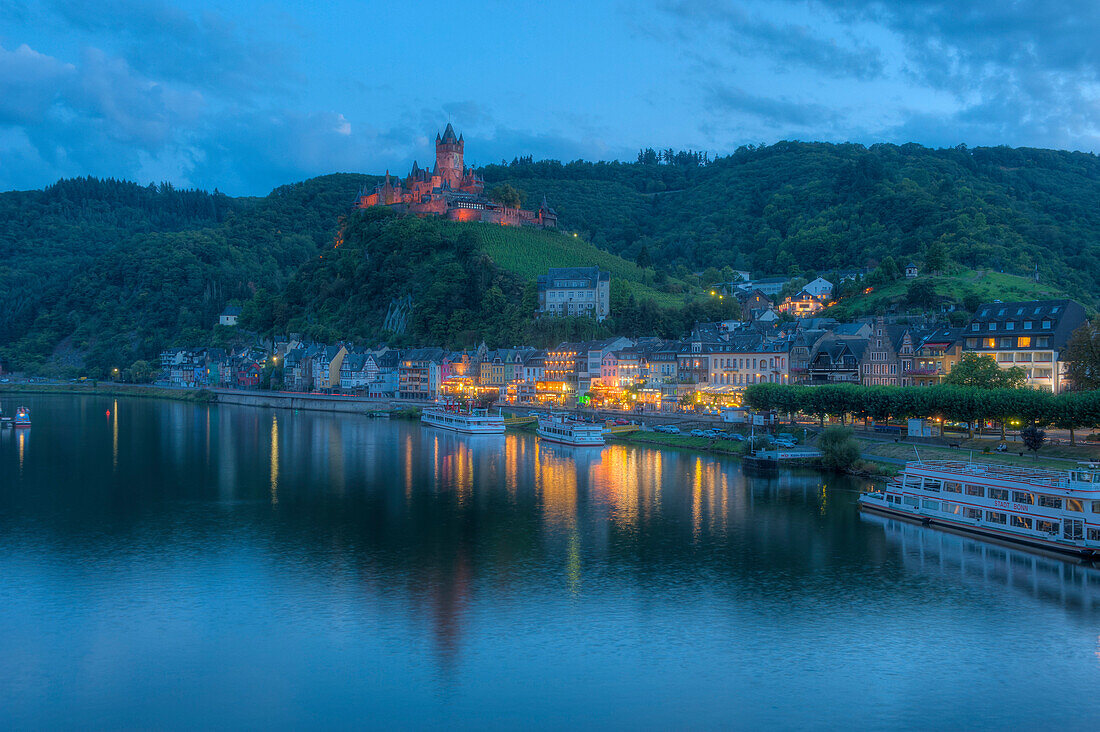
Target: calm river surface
(181, 566)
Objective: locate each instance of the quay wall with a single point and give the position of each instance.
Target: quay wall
(313, 402)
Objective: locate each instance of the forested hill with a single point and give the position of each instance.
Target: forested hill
(104, 271)
(95, 273)
(823, 206)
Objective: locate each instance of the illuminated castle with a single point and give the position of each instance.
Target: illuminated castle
(452, 190)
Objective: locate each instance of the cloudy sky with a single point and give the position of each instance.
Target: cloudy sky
(250, 94)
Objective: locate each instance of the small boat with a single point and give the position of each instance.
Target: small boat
(568, 431)
(22, 418)
(469, 421)
(1052, 510)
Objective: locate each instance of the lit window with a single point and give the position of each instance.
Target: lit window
(1023, 342)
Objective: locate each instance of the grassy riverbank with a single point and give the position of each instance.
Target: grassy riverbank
(201, 396)
(905, 451)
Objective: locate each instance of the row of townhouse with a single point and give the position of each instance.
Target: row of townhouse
(1031, 335)
(722, 357)
(212, 367)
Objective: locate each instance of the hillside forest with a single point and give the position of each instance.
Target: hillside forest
(97, 273)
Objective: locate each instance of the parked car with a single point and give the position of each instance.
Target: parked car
(534, 414)
(736, 437)
(787, 437)
(698, 433)
(710, 433)
(621, 421)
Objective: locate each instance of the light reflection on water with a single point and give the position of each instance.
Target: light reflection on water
(183, 566)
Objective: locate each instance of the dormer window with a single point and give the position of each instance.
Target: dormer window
(1027, 325)
(1010, 326)
(992, 327)
(1046, 325)
(976, 327)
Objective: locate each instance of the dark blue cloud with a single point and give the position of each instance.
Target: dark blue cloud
(250, 95)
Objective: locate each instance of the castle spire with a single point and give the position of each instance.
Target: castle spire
(449, 134)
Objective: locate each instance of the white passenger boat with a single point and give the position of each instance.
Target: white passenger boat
(1046, 509)
(568, 431)
(469, 421)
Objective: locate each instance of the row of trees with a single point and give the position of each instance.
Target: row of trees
(969, 404)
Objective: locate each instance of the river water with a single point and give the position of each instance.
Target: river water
(180, 566)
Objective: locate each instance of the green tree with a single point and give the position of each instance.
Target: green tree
(839, 449)
(921, 293)
(141, 372)
(1083, 357)
(935, 259)
(508, 195)
(982, 371)
(643, 260)
(1033, 438)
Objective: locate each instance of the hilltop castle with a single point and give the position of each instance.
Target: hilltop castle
(452, 190)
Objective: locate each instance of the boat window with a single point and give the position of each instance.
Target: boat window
(931, 485)
(1021, 522)
(1094, 534)
(1047, 527)
(996, 517)
(950, 487)
(1050, 501)
(975, 490)
(1074, 530)
(911, 501)
(999, 494)
(1021, 497)
(1075, 504)
(973, 513)
(950, 507)
(1096, 506)
(934, 505)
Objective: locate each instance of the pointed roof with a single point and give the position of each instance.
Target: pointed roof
(449, 134)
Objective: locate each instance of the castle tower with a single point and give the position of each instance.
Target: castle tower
(448, 157)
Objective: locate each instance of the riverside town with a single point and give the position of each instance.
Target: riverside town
(623, 370)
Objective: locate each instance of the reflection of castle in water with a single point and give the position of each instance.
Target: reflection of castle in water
(975, 562)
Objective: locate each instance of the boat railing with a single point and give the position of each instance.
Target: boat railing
(1015, 474)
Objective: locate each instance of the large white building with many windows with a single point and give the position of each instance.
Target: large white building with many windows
(575, 291)
(1031, 335)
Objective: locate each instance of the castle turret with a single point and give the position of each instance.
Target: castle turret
(448, 157)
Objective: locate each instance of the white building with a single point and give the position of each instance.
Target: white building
(820, 288)
(575, 291)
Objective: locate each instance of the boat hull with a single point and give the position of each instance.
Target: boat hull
(1005, 537)
(563, 440)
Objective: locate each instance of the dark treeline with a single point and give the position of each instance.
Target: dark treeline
(1069, 410)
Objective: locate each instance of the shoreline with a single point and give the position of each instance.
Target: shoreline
(357, 405)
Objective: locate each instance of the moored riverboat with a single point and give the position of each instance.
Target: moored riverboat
(1043, 509)
(568, 431)
(469, 421)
